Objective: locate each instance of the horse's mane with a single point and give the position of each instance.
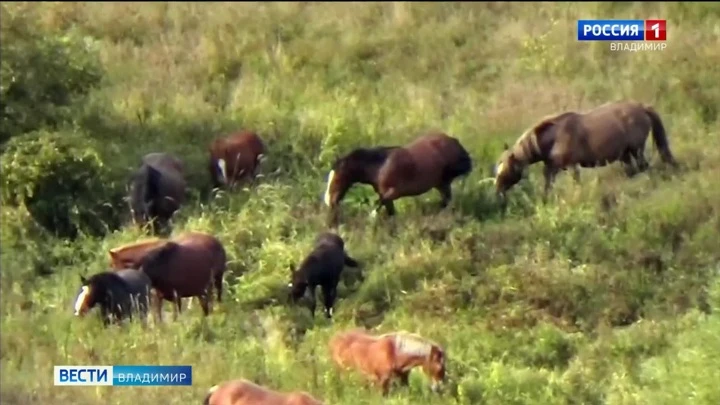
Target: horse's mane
(369, 155)
(411, 343)
(135, 245)
(527, 145)
(106, 279)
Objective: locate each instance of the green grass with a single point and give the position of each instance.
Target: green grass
(605, 295)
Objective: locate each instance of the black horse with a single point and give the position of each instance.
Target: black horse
(323, 267)
(157, 190)
(119, 294)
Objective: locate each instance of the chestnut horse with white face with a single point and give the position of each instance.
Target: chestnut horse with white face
(234, 158)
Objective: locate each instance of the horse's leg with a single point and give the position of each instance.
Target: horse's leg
(549, 171)
(178, 305)
(312, 301)
(205, 303)
(378, 205)
(384, 381)
(388, 204)
(576, 173)
(386, 200)
(640, 161)
(158, 305)
(219, 285)
(404, 377)
(446, 193)
(627, 161)
(389, 207)
(333, 217)
(329, 293)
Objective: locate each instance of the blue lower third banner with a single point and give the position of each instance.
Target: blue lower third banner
(127, 376)
(610, 30)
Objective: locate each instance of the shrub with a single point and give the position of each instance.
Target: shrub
(41, 75)
(61, 180)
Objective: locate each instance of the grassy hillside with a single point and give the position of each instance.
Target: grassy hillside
(608, 294)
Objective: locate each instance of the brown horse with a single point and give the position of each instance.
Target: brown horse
(610, 132)
(380, 358)
(433, 160)
(185, 266)
(235, 157)
(244, 392)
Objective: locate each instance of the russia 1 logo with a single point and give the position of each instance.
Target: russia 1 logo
(655, 30)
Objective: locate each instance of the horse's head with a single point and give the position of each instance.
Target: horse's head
(86, 298)
(220, 168)
(434, 367)
(345, 171)
(358, 166)
(95, 290)
(298, 284)
(508, 171)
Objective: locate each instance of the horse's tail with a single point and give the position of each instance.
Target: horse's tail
(211, 391)
(660, 136)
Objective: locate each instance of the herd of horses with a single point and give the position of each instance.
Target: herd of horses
(148, 272)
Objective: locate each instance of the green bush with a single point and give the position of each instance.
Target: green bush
(41, 75)
(61, 180)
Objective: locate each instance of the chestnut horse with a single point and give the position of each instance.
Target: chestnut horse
(433, 160)
(244, 392)
(611, 132)
(381, 358)
(157, 190)
(185, 266)
(235, 157)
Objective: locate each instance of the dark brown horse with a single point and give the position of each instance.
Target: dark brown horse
(323, 267)
(433, 160)
(234, 158)
(385, 357)
(185, 266)
(244, 392)
(608, 133)
(157, 190)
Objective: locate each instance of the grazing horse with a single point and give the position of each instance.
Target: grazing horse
(244, 392)
(432, 160)
(380, 358)
(118, 293)
(185, 266)
(610, 132)
(323, 267)
(157, 189)
(235, 157)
